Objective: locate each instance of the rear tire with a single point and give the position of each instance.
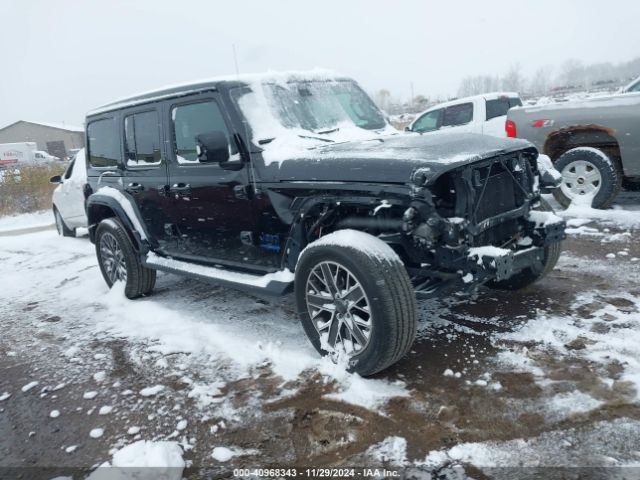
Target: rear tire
(532, 274)
(61, 227)
(119, 261)
(587, 170)
(383, 311)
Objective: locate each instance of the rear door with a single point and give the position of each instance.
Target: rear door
(146, 170)
(212, 217)
(458, 118)
(496, 114)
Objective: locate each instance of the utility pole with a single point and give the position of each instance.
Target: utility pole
(411, 85)
(235, 59)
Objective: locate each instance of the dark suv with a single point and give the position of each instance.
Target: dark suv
(296, 181)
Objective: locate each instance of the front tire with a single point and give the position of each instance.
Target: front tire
(119, 261)
(589, 174)
(61, 227)
(532, 274)
(355, 299)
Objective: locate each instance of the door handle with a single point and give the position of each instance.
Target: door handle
(134, 187)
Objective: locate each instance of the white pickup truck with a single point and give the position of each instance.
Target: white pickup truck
(484, 114)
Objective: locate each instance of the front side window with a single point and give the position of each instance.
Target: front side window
(191, 120)
(428, 122)
(142, 139)
(457, 115)
(635, 87)
(103, 143)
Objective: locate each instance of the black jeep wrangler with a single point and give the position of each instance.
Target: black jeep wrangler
(296, 181)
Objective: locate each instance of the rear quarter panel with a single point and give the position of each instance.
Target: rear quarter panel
(619, 115)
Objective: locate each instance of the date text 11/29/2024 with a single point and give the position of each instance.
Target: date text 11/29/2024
(316, 472)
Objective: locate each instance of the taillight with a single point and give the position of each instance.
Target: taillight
(510, 128)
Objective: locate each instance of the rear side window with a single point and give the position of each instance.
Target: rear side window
(142, 139)
(428, 122)
(103, 143)
(500, 106)
(191, 120)
(457, 115)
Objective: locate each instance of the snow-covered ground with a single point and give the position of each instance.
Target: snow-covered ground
(200, 377)
(27, 220)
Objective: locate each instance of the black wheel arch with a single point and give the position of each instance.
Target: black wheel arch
(101, 207)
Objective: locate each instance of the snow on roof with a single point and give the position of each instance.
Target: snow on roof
(270, 76)
(60, 126)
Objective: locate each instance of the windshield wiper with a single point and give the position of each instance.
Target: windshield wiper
(317, 138)
(324, 132)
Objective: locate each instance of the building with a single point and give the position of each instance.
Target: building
(57, 139)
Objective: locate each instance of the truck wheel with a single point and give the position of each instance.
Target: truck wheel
(61, 227)
(119, 261)
(532, 274)
(588, 174)
(355, 300)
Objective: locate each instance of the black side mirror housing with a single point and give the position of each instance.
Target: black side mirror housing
(407, 129)
(212, 147)
(56, 179)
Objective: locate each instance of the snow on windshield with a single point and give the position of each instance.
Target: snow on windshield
(288, 114)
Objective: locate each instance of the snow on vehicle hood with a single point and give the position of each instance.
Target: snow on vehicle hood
(390, 159)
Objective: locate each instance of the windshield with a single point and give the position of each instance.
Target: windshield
(316, 106)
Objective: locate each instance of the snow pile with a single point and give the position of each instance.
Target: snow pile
(133, 462)
(391, 451)
(615, 216)
(243, 346)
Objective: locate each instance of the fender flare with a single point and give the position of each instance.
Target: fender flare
(99, 200)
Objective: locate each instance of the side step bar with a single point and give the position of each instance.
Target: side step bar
(277, 283)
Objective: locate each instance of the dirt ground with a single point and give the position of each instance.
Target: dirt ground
(467, 381)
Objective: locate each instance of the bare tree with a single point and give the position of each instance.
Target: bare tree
(541, 81)
(382, 99)
(513, 81)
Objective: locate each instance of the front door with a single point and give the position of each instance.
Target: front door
(213, 219)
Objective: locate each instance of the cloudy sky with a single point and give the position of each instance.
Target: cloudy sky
(62, 58)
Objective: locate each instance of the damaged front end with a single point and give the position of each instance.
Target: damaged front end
(480, 222)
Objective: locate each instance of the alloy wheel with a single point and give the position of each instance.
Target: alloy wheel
(112, 258)
(580, 178)
(339, 309)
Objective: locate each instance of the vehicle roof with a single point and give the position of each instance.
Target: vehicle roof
(485, 96)
(227, 81)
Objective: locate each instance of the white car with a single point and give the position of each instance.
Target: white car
(42, 156)
(68, 197)
(485, 114)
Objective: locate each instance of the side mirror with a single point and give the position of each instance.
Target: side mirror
(407, 128)
(212, 147)
(56, 179)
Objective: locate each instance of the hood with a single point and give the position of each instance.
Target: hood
(390, 159)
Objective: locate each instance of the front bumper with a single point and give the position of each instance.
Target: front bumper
(464, 268)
